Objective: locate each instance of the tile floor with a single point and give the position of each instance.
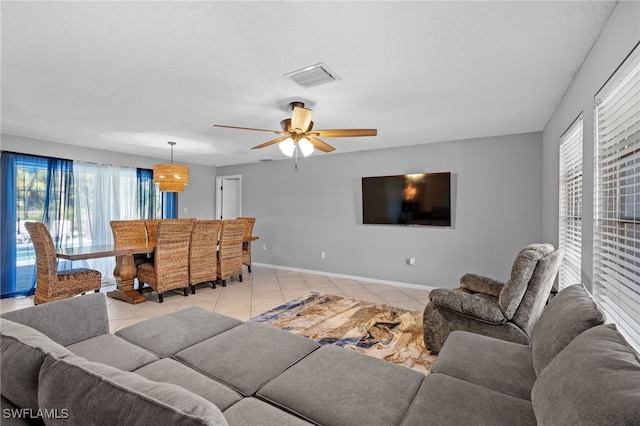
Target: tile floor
(262, 289)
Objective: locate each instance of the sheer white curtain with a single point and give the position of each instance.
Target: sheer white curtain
(102, 193)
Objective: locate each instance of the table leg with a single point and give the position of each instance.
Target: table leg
(125, 274)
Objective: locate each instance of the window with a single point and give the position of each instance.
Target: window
(571, 205)
(616, 266)
(76, 201)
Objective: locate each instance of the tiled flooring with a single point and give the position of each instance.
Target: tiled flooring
(262, 289)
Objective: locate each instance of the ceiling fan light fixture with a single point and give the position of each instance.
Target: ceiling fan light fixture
(306, 147)
(287, 147)
(313, 75)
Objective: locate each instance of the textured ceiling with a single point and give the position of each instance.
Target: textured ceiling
(130, 76)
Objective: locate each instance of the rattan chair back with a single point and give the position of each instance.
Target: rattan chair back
(127, 232)
(170, 267)
(230, 250)
(246, 245)
(53, 285)
(203, 266)
(152, 229)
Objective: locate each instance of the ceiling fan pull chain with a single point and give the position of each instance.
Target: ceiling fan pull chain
(295, 150)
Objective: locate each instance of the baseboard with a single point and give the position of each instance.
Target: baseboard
(349, 277)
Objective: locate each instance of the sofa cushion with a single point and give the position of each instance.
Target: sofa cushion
(474, 358)
(22, 352)
(114, 351)
(247, 356)
(252, 411)
(595, 380)
(92, 393)
(445, 400)
(568, 314)
(338, 386)
(521, 272)
(171, 371)
(66, 321)
(186, 327)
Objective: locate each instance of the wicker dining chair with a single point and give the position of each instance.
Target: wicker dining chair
(126, 232)
(230, 251)
(52, 284)
(170, 267)
(152, 229)
(203, 266)
(246, 243)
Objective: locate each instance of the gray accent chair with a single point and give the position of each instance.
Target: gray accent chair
(493, 308)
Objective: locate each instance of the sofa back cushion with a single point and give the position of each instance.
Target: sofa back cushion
(91, 392)
(66, 321)
(568, 314)
(595, 380)
(537, 294)
(521, 272)
(22, 352)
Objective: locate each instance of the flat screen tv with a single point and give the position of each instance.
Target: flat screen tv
(412, 199)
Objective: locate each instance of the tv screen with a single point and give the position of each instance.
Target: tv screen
(412, 199)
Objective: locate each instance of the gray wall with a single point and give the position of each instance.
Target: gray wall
(497, 209)
(198, 196)
(619, 36)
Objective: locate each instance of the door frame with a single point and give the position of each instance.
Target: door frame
(219, 180)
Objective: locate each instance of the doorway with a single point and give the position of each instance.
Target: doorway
(228, 197)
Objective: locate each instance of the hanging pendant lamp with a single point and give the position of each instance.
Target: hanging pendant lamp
(171, 177)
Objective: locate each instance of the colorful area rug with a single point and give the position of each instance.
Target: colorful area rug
(375, 329)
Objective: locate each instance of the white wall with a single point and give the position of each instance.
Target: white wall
(198, 196)
(619, 36)
(497, 209)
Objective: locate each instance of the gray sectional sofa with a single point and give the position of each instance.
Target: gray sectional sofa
(61, 365)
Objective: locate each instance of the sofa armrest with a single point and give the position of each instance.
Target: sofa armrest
(66, 321)
(480, 284)
(479, 306)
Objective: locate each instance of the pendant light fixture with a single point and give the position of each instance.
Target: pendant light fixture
(171, 177)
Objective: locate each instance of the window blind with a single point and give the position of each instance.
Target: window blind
(616, 266)
(570, 226)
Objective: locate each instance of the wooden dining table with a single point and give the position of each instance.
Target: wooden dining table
(125, 271)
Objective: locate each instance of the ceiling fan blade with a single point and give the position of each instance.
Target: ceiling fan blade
(280, 132)
(277, 140)
(320, 145)
(344, 133)
(300, 119)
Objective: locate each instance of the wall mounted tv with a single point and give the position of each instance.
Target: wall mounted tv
(412, 199)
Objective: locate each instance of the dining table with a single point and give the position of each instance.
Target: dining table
(125, 271)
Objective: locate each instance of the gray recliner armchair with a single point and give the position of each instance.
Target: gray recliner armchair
(486, 306)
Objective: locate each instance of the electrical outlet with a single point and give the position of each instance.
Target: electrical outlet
(412, 261)
(323, 255)
(186, 210)
(264, 247)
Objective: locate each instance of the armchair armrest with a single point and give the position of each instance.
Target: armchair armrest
(480, 284)
(479, 306)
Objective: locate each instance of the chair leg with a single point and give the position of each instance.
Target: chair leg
(224, 283)
(97, 291)
(160, 299)
(249, 268)
(184, 291)
(240, 277)
(213, 283)
(193, 288)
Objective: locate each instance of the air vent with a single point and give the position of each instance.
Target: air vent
(313, 75)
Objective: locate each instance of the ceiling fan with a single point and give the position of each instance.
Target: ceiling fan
(297, 133)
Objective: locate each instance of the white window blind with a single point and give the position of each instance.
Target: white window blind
(616, 266)
(570, 238)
